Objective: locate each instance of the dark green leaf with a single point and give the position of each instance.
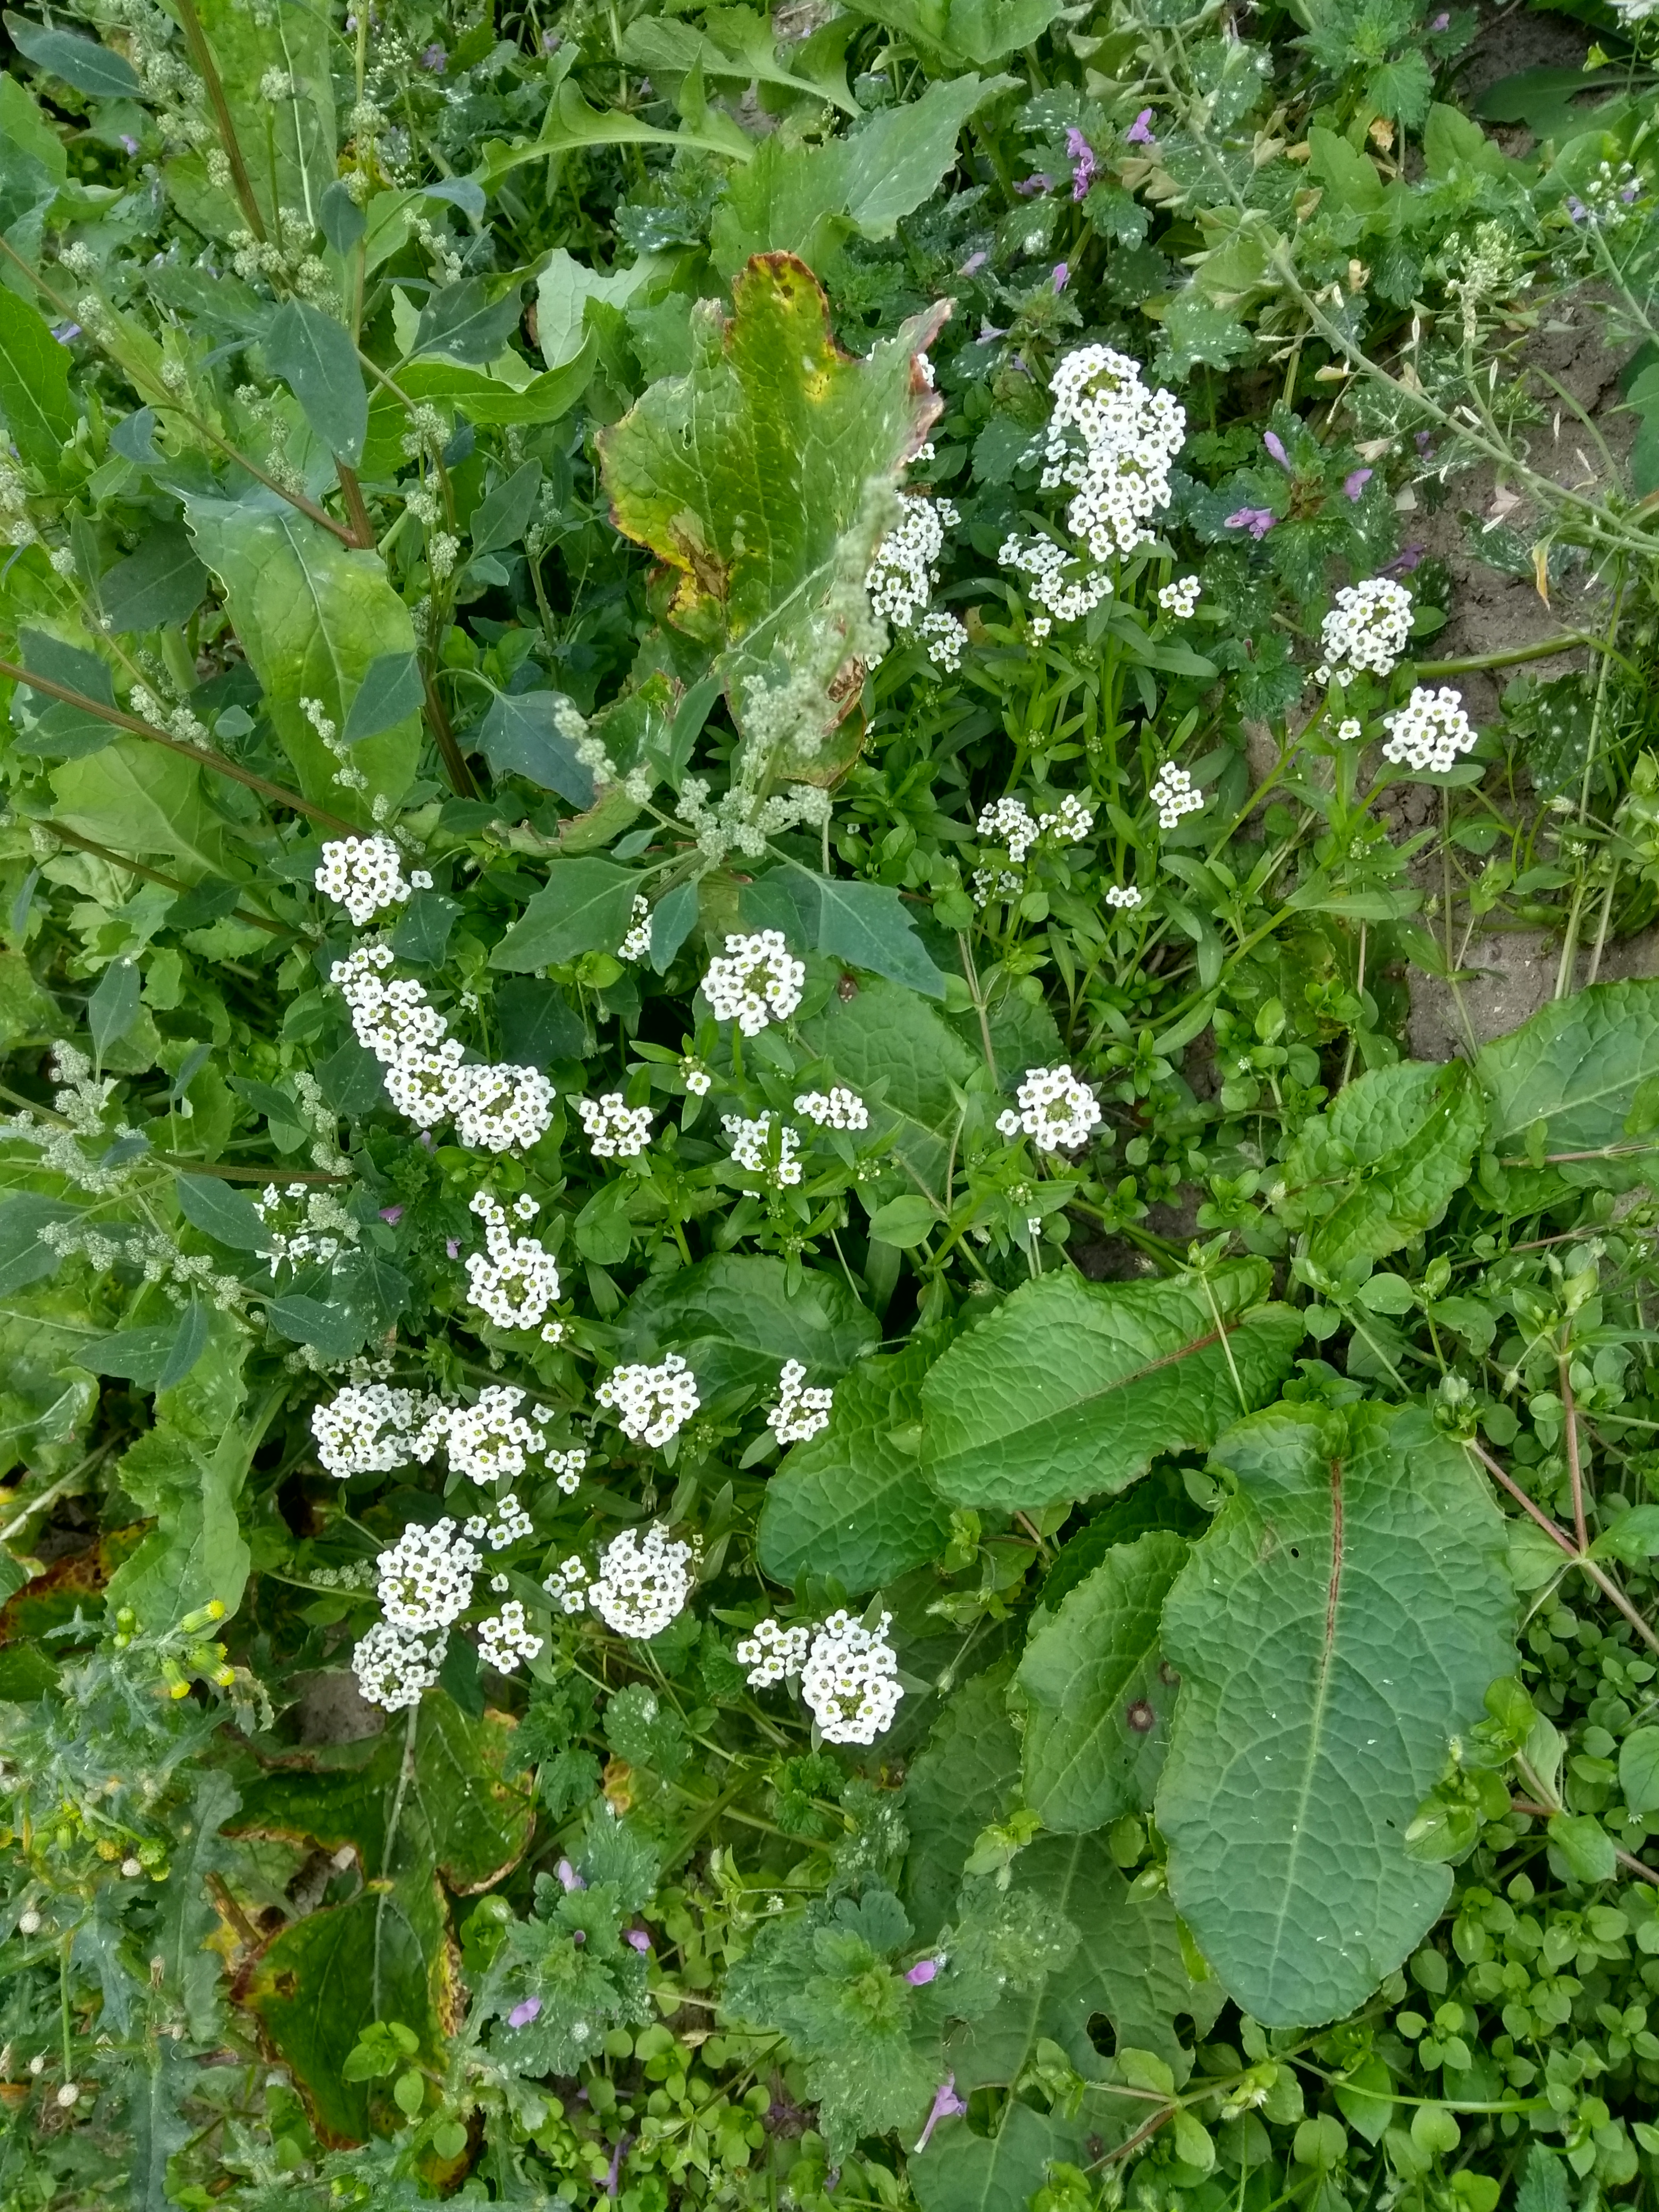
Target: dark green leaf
(538, 1024)
(389, 692)
(162, 582)
(25, 1256)
(315, 358)
(502, 517)
(113, 1006)
(422, 933)
(735, 1322)
(469, 322)
(519, 737)
(92, 68)
(585, 907)
(222, 1210)
(342, 221)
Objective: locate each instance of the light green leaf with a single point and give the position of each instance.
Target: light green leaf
(390, 693)
(1580, 1847)
(737, 47)
(315, 358)
(112, 1008)
(25, 1256)
(1337, 1624)
(486, 402)
(905, 1221)
(585, 905)
(1576, 1067)
(954, 34)
(1097, 1692)
(188, 1917)
(962, 2172)
(886, 1034)
(734, 1321)
(161, 2079)
(1639, 1770)
(1380, 1165)
(288, 142)
(197, 1551)
(852, 1502)
(866, 925)
(1069, 1388)
(313, 616)
(566, 285)
(97, 70)
(707, 468)
(1634, 1536)
(964, 1777)
(571, 123)
(34, 391)
(141, 799)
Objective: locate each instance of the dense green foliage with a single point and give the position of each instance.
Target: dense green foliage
(852, 1106)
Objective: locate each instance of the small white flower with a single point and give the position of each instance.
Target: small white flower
(752, 1148)
(637, 943)
(848, 1680)
(756, 982)
(697, 1080)
(773, 1653)
(1368, 628)
(1180, 597)
(641, 1586)
(799, 1414)
(1430, 731)
(361, 874)
(615, 1131)
(653, 1404)
(392, 1669)
(1123, 896)
(568, 1585)
(1054, 1108)
(1350, 730)
(836, 1108)
(1174, 794)
(513, 1281)
(496, 1108)
(504, 1639)
(426, 1577)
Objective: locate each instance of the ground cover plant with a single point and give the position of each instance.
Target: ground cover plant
(799, 1406)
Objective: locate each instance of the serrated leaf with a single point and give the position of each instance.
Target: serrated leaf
(1380, 1163)
(1338, 1623)
(734, 1320)
(1575, 1067)
(1068, 1388)
(315, 358)
(585, 905)
(197, 1551)
(852, 1502)
(186, 1920)
(1097, 1692)
(740, 48)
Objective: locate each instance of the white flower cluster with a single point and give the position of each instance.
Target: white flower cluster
(368, 1429)
(1180, 599)
(835, 1109)
(1430, 731)
(426, 1576)
(1366, 628)
(1066, 598)
(757, 981)
(515, 1280)
(994, 883)
(641, 1587)
(504, 1639)
(946, 637)
(494, 1108)
(1054, 1108)
(696, 1077)
(1174, 794)
(900, 579)
(393, 1670)
(1113, 441)
(492, 1439)
(637, 943)
(1011, 823)
(302, 1223)
(653, 1404)
(513, 1523)
(373, 1428)
(751, 1149)
(566, 1469)
(568, 1585)
(1124, 896)
(363, 875)
(847, 1680)
(799, 1413)
(616, 1130)
(773, 1653)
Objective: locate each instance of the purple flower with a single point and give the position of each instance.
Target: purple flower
(1628, 193)
(66, 333)
(129, 142)
(1275, 445)
(579, 1935)
(1404, 560)
(616, 2166)
(638, 1938)
(552, 42)
(426, 1139)
(1062, 275)
(568, 1876)
(1355, 482)
(989, 334)
(1442, 22)
(1027, 187)
(922, 1972)
(1577, 210)
(947, 2105)
(974, 262)
(1081, 155)
(391, 1214)
(1258, 520)
(435, 59)
(452, 1245)
(522, 2014)
(1424, 443)
(1140, 130)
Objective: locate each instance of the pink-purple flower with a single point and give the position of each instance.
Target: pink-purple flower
(1140, 130)
(637, 1937)
(434, 58)
(391, 1214)
(1084, 167)
(1275, 445)
(569, 1877)
(1355, 481)
(1028, 187)
(1258, 520)
(1062, 275)
(522, 2014)
(947, 2105)
(922, 1972)
(973, 265)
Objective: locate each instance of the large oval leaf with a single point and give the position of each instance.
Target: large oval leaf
(1575, 1069)
(1338, 1623)
(1380, 1165)
(1071, 1387)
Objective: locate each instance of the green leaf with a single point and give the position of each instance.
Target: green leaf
(112, 1008)
(1097, 1692)
(585, 905)
(34, 388)
(288, 144)
(1365, 2098)
(852, 1502)
(886, 1035)
(1343, 171)
(337, 1331)
(25, 1256)
(796, 199)
(905, 1221)
(313, 617)
(315, 358)
(484, 400)
(538, 1024)
(502, 516)
(1451, 140)
(197, 1551)
(1381, 1165)
(1639, 1770)
(1543, 2183)
(470, 321)
(1004, 2172)
(1633, 1537)
(1338, 1623)
(97, 70)
(959, 32)
(1575, 1069)
(745, 53)
(1069, 1388)
(735, 1322)
(162, 582)
(962, 1779)
(390, 693)
(162, 2077)
(570, 123)
(142, 800)
(520, 736)
(1580, 1849)
(866, 925)
(707, 468)
(188, 1919)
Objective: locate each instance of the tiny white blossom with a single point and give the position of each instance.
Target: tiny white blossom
(653, 1404)
(504, 1639)
(1430, 731)
(513, 1281)
(799, 1413)
(1123, 896)
(1174, 794)
(637, 943)
(836, 1108)
(568, 1585)
(697, 1080)
(752, 1148)
(756, 982)
(361, 874)
(616, 1130)
(1350, 730)
(1180, 597)
(641, 1586)
(773, 1653)
(848, 1680)
(1054, 1108)
(426, 1576)
(1367, 629)
(392, 1669)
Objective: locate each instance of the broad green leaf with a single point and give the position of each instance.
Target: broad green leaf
(288, 142)
(708, 468)
(197, 1551)
(852, 1502)
(390, 693)
(141, 799)
(585, 905)
(501, 516)
(25, 1256)
(1069, 1388)
(313, 616)
(800, 199)
(571, 123)
(315, 358)
(1128, 1965)
(95, 69)
(519, 735)
(885, 1034)
(1639, 1770)
(734, 1320)
(34, 389)
(1004, 2172)
(1634, 1536)
(965, 1776)
(564, 289)
(1575, 1069)
(470, 321)
(223, 1212)
(955, 34)
(1097, 1692)
(1380, 1164)
(484, 400)
(866, 925)
(737, 47)
(1337, 1626)
(161, 582)
(112, 1008)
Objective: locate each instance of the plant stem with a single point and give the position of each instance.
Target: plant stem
(1604, 1583)
(154, 876)
(1575, 1470)
(201, 54)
